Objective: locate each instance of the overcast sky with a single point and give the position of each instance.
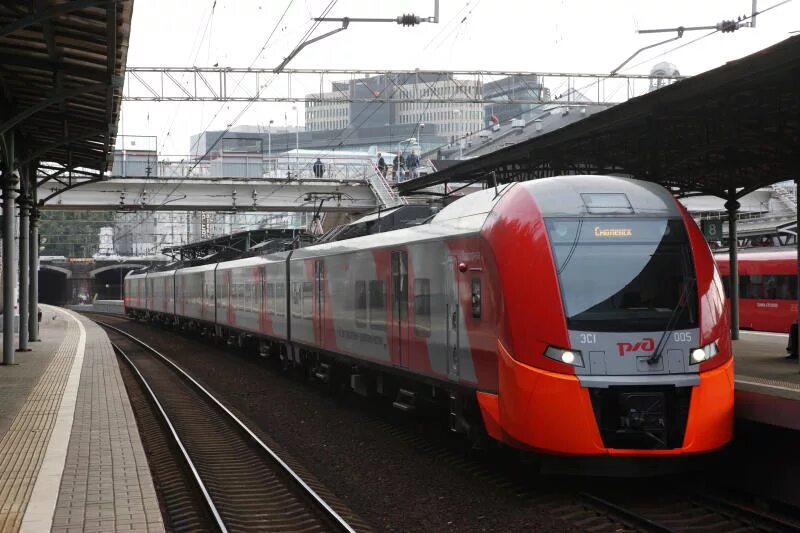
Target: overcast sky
(522, 35)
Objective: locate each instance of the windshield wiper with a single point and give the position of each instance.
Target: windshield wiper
(572, 248)
(676, 313)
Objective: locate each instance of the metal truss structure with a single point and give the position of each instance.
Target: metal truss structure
(153, 84)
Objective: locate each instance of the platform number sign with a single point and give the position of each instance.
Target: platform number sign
(712, 229)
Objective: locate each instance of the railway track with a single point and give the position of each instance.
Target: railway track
(661, 512)
(652, 506)
(231, 480)
(618, 506)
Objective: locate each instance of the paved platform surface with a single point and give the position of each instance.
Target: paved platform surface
(767, 383)
(70, 454)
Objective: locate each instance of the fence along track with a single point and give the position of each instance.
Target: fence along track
(248, 485)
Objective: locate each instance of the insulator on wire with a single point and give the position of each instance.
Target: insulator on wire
(727, 26)
(408, 20)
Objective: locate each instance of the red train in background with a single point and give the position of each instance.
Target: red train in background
(767, 288)
(577, 315)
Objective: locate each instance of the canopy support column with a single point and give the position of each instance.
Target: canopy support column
(732, 205)
(9, 264)
(24, 268)
(33, 299)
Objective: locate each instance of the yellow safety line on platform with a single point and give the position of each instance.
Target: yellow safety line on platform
(42, 503)
(22, 449)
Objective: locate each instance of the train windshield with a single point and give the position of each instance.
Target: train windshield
(624, 274)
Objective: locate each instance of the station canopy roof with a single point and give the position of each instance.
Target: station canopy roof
(737, 126)
(61, 74)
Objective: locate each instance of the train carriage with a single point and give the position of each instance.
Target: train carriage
(161, 292)
(396, 298)
(578, 315)
(250, 296)
(767, 288)
(196, 293)
(135, 298)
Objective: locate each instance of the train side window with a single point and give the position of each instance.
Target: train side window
(280, 300)
(360, 303)
(308, 296)
(780, 287)
(270, 298)
(422, 307)
(790, 289)
(476, 297)
(297, 288)
(377, 304)
(726, 284)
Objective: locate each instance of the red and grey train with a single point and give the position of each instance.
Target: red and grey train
(767, 288)
(579, 315)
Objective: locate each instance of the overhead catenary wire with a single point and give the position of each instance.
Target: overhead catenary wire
(197, 162)
(195, 49)
(197, 44)
(671, 50)
(719, 29)
(589, 85)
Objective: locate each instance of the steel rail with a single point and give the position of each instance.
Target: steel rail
(632, 518)
(189, 463)
(321, 504)
(744, 513)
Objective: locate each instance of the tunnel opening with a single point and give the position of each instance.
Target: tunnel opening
(53, 287)
(108, 284)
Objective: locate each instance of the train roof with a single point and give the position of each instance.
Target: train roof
(463, 217)
(580, 195)
(256, 260)
(590, 195)
(161, 273)
(198, 268)
(760, 254)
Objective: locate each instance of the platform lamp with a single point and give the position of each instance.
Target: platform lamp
(460, 133)
(296, 135)
(269, 144)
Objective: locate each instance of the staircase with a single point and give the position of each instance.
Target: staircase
(387, 197)
(334, 219)
(786, 196)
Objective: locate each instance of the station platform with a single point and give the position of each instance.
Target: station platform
(71, 458)
(767, 383)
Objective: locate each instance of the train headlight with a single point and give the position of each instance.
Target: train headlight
(570, 357)
(704, 353)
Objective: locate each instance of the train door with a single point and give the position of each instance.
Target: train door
(400, 308)
(452, 317)
(319, 306)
